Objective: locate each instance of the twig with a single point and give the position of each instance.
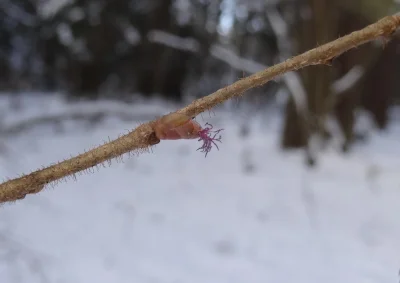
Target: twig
(143, 136)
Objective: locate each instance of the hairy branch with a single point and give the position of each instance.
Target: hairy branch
(143, 136)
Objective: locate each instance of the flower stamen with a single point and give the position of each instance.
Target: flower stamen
(206, 135)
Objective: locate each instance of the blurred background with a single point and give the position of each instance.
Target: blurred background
(304, 188)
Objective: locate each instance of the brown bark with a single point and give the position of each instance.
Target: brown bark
(318, 29)
(143, 137)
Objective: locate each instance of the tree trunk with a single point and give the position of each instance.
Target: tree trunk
(318, 29)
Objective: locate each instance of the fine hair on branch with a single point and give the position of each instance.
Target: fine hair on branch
(143, 137)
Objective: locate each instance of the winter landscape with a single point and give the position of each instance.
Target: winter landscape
(305, 185)
(246, 213)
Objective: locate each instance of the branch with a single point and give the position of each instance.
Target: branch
(292, 80)
(143, 137)
(217, 51)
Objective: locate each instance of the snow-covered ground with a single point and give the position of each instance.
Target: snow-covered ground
(248, 213)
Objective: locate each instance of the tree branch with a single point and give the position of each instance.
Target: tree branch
(143, 136)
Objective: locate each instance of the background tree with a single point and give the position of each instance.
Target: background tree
(340, 90)
(181, 50)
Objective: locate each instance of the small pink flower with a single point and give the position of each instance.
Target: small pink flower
(205, 135)
(176, 126)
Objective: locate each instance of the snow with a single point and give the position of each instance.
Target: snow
(14, 12)
(76, 14)
(174, 216)
(218, 51)
(349, 80)
(49, 8)
(292, 80)
(67, 38)
(132, 36)
(182, 9)
(225, 24)
(65, 35)
(233, 60)
(278, 24)
(171, 40)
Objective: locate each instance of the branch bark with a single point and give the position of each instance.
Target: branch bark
(143, 136)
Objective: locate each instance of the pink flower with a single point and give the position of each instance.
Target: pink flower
(209, 138)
